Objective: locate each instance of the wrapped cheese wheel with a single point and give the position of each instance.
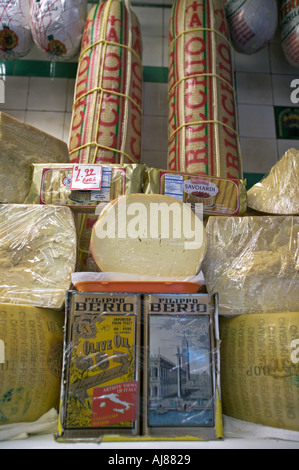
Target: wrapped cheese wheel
(252, 23)
(202, 129)
(289, 30)
(15, 35)
(57, 26)
(106, 118)
(278, 192)
(31, 342)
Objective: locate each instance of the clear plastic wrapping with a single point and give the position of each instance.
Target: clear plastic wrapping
(217, 195)
(253, 263)
(20, 146)
(51, 184)
(15, 34)
(126, 375)
(278, 192)
(38, 247)
(252, 23)
(57, 26)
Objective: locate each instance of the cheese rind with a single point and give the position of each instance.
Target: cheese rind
(253, 263)
(260, 368)
(20, 146)
(278, 192)
(37, 254)
(31, 366)
(146, 235)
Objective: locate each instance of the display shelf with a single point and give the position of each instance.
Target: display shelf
(48, 442)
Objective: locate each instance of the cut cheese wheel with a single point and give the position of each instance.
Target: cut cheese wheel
(260, 368)
(278, 193)
(252, 23)
(37, 254)
(150, 235)
(20, 146)
(31, 345)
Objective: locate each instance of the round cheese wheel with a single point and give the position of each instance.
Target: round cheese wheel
(252, 23)
(57, 26)
(289, 31)
(260, 368)
(31, 347)
(149, 235)
(15, 35)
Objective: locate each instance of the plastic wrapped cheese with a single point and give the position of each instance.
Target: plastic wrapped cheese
(253, 263)
(57, 26)
(278, 192)
(20, 146)
(289, 30)
(252, 23)
(31, 349)
(154, 235)
(15, 35)
(260, 368)
(37, 254)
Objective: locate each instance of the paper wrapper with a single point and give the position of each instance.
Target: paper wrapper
(289, 30)
(106, 118)
(57, 26)
(50, 184)
(278, 192)
(218, 196)
(252, 23)
(15, 35)
(202, 131)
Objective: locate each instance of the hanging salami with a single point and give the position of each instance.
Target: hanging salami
(252, 23)
(15, 35)
(57, 26)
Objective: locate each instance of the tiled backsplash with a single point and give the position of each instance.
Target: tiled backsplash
(263, 81)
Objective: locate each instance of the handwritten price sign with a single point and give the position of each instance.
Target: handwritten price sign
(86, 177)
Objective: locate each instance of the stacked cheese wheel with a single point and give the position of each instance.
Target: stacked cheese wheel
(15, 35)
(106, 119)
(203, 135)
(289, 30)
(260, 368)
(57, 26)
(252, 23)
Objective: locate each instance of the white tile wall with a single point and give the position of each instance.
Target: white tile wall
(262, 81)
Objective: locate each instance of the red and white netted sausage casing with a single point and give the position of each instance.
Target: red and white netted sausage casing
(252, 24)
(107, 109)
(289, 30)
(15, 35)
(203, 128)
(57, 26)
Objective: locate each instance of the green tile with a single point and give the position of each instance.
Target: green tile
(253, 178)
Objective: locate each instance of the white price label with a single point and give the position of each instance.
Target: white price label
(86, 177)
(2, 352)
